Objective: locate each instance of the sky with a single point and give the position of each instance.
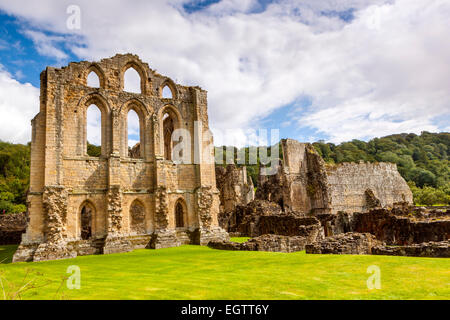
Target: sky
(313, 69)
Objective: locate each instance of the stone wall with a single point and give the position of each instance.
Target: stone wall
(12, 226)
(426, 249)
(357, 187)
(400, 230)
(300, 184)
(345, 243)
(262, 217)
(64, 179)
(267, 242)
(235, 188)
(305, 184)
(244, 220)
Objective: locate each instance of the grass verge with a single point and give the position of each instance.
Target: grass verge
(195, 272)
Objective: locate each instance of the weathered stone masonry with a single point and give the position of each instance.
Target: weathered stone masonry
(306, 184)
(66, 183)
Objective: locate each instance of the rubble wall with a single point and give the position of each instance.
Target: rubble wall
(400, 230)
(234, 186)
(11, 228)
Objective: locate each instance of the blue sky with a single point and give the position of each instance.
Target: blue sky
(316, 70)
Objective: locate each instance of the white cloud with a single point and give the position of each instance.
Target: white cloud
(385, 71)
(45, 44)
(19, 103)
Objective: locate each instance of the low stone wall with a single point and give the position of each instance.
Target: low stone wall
(400, 230)
(11, 228)
(290, 225)
(245, 219)
(427, 249)
(346, 243)
(116, 244)
(263, 217)
(267, 242)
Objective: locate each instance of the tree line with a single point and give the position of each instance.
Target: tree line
(422, 160)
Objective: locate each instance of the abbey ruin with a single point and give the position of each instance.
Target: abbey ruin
(145, 197)
(348, 208)
(80, 204)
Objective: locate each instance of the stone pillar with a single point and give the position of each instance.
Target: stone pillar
(207, 195)
(55, 222)
(115, 242)
(156, 137)
(208, 228)
(115, 133)
(163, 236)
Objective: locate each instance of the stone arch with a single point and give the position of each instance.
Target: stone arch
(180, 214)
(171, 119)
(98, 71)
(137, 217)
(173, 89)
(87, 213)
(99, 101)
(139, 69)
(143, 114)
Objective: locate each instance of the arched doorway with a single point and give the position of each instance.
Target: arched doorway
(137, 217)
(86, 215)
(179, 215)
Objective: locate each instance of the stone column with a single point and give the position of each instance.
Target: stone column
(207, 203)
(55, 221)
(115, 241)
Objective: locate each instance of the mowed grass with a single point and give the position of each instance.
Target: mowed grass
(195, 272)
(240, 239)
(6, 253)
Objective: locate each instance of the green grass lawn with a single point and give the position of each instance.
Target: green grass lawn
(240, 239)
(195, 272)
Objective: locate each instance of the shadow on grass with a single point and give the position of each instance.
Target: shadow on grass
(6, 253)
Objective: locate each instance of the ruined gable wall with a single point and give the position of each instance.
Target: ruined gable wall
(348, 183)
(112, 181)
(308, 185)
(234, 186)
(303, 178)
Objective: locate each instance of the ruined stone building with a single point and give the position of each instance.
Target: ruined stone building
(235, 187)
(348, 208)
(306, 184)
(125, 198)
